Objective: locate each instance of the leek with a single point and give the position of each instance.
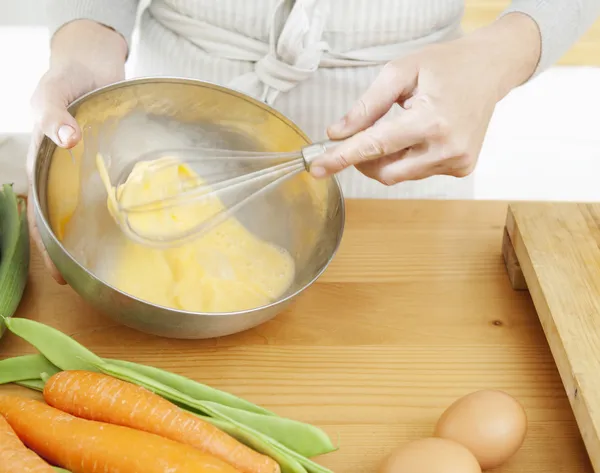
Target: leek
(14, 251)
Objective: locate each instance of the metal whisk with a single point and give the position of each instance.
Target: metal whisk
(197, 189)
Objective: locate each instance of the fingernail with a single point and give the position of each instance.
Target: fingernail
(318, 172)
(64, 133)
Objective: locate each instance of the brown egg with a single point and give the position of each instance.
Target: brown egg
(491, 424)
(430, 455)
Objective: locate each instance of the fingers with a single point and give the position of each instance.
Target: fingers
(410, 128)
(49, 107)
(411, 165)
(34, 146)
(396, 80)
(36, 237)
(418, 163)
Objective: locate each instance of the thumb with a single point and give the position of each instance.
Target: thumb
(396, 81)
(49, 106)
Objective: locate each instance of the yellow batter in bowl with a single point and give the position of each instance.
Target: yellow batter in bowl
(228, 269)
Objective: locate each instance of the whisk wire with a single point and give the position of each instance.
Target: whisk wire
(208, 190)
(268, 177)
(208, 225)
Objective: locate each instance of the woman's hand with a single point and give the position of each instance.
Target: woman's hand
(84, 56)
(447, 92)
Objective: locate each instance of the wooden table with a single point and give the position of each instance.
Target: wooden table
(415, 311)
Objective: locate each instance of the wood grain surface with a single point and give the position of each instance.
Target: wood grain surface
(558, 249)
(415, 311)
(586, 52)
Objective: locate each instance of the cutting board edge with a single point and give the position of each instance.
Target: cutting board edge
(588, 428)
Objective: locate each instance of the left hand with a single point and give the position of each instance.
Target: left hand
(448, 92)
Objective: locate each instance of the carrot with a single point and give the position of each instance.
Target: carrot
(15, 456)
(85, 446)
(100, 397)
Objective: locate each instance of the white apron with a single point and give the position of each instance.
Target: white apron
(309, 59)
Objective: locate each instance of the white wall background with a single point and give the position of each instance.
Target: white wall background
(543, 142)
(21, 12)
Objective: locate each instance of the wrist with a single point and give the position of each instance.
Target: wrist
(95, 46)
(510, 49)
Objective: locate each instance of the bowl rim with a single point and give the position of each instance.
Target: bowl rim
(189, 81)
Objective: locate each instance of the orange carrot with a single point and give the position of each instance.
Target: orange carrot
(85, 446)
(100, 397)
(15, 456)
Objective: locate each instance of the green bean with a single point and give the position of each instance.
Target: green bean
(25, 367)
(67, 354)
(60, 470)
(287, 464)
(255, 440)
(192, 388)
(269, 446)
(288, 460)
(305, 439)
(60, 349)
(35, 384)
(126, 374)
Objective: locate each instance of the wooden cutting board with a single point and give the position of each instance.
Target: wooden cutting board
(553, 250)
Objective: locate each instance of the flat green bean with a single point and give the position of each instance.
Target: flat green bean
(67, 354)
(288, 459)
(307, 463)
(177, 397)
(25, 367)
(35, 384)
(305, 439)
(259, 443)
(60, 349)
(192, 388)
(256, 442)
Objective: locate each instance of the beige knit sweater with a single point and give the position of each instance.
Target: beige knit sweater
(310, 59)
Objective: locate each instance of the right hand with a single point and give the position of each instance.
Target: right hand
(84, 57)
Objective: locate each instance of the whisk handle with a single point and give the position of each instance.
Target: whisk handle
(314, 150)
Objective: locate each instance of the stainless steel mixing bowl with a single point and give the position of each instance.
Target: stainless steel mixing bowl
(304, 216)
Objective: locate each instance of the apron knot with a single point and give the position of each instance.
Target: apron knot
(294, 55)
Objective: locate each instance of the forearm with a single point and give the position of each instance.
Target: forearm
(88, 42)
(116, 16)
(561, 23)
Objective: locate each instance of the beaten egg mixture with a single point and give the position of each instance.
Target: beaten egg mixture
(227, 269)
